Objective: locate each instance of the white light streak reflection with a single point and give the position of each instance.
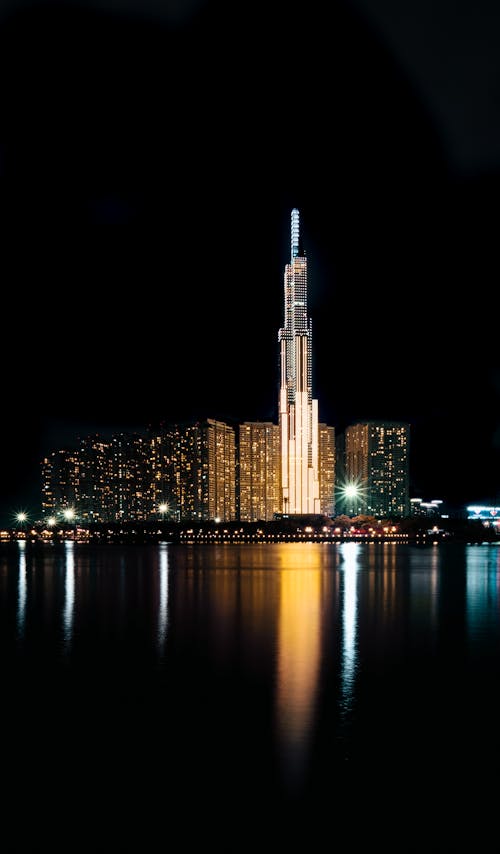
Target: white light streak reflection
(21, 589)
(163, 601)
(349, 567)
(69, 593)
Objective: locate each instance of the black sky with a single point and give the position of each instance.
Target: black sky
(150, 154)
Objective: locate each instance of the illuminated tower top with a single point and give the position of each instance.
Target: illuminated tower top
(296, 248)
(296, 322)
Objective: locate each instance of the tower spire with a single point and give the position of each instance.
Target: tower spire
(295, 234)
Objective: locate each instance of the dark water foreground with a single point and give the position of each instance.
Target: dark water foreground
(252, 697)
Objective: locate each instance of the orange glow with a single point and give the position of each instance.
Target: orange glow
(299, 651)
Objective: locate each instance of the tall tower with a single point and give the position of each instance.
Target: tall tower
(298, 412)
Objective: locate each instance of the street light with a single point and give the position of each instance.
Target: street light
(70, 516)
(352, 494)
(21, 518)
(351, 491)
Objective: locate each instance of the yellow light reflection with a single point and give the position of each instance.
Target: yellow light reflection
(299, 652)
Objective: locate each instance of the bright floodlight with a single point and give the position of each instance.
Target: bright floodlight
(21, 517)
(163, 508)
(69, 514)
(51, 521)
(351, 490)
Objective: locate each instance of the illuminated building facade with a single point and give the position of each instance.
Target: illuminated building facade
(101, 480)
(130, 454)
(377, 463)
(95, 499)
(489, 516)
(218, 471)
(259, 471)
(298, 412)
(426, 508)
(192, 470)
(163, 472)
(60, 481)
(326, 467)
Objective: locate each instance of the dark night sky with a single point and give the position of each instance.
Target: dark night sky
(150, 153)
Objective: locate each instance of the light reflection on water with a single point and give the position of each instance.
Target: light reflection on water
(22, 590)
(482, 593)
(299, 654)
(163, 599)
(69, 594)
(349, 567)
(286, 642)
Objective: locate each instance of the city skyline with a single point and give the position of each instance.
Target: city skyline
(386, 143)
(211, 471)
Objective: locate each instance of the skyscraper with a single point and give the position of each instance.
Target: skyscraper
(377, 463)
(259, 471)
(298, 412)
(326, 465)
(60, 481)
(193, 471)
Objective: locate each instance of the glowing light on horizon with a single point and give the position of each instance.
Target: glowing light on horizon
(69, 514)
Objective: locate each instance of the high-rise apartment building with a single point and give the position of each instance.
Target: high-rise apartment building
(259, 471)
(219, 471)
(95, 499)
(326, 468)
(377, 468)
(130, 483)
(192, 471)
(60, 481)
(298, 412)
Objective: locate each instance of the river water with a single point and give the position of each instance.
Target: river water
(242, 697)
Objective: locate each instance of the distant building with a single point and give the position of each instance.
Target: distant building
(259, 471)
(130, 494)
(377, 468)
(60, 481)
(326, 469)
(489, 516)
(192, 471)
(95, 500)
(418, 507)
(101, 480)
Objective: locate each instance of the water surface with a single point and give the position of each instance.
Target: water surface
(250, 696)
